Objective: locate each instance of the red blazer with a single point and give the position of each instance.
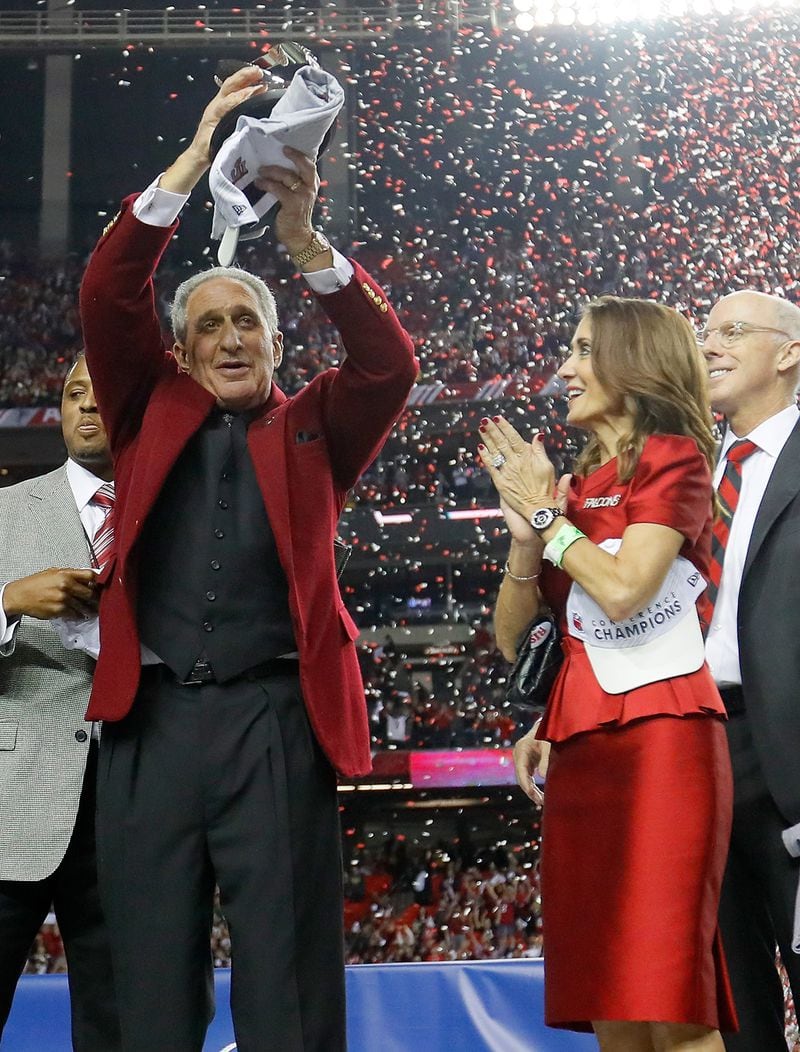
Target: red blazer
(151, 410)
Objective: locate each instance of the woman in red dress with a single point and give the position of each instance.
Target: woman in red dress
(638, 800)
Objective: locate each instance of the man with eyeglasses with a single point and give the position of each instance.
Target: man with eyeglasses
(752, 347)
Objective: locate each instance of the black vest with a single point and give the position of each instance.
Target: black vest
(210, 582)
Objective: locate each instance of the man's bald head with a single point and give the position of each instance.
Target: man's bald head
(775, 311)
(752, 350)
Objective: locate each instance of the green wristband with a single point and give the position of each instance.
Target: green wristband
(567, 535)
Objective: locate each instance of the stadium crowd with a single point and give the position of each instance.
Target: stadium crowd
(417, 904)
(445, 904)
(465, 708)
(521, 180)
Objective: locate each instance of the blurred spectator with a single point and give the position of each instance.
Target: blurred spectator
(47, 953)
(470, 710)
(457, 907)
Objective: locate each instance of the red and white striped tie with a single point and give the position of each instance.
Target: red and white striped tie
(728, 494)
(103, 540)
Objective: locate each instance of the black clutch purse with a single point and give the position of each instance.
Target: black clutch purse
(341, 553)
(538, 660)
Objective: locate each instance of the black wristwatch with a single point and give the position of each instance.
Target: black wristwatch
(544, 517)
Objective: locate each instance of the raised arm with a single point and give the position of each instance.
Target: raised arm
(372, 385)
(370, 389)
(189, 167)
(519, 599)
(122, 333)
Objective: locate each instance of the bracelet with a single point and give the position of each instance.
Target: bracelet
(515, 577)
(566, 536)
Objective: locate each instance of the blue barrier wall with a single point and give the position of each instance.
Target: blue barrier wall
(475, 1006)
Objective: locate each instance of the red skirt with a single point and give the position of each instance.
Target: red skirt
(634, 842)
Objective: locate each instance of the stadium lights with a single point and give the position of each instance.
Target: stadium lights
(375, 787)
(608, 11)
(392, 519)
(399, 518)
(626, 11)
(532, 14)
(475, 513)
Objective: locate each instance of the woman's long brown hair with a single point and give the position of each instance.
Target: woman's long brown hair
(646, 355)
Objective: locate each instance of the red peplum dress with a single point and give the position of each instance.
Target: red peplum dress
(638, 798)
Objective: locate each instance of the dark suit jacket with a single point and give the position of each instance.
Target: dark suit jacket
(151, 410)
(769, 630)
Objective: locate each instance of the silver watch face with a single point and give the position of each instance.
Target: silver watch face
(543, 518)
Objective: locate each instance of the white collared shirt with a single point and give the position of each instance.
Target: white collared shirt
(84, 485)
(157, 207)
(85, 635)
(722, 645)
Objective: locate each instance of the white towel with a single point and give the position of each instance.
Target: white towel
(301, 118)
(79, 633)
(791, 838)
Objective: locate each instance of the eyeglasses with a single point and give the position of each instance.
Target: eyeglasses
(733, 331)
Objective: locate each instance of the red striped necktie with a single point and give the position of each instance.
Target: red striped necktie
(103, 540)
(728, 494)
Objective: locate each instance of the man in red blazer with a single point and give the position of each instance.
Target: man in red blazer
(228, 681)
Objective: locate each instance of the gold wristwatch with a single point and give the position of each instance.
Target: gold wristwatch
(316, 246)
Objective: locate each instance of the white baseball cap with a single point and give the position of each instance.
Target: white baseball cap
(302, 117)
(660, 641)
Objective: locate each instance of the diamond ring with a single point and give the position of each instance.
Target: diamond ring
(294, 185)
(498, 460)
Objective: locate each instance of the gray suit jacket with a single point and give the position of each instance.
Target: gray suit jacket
(44, 688)
(769, 631)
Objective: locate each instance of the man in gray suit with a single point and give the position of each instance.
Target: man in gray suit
(752, 348)
(47, 751)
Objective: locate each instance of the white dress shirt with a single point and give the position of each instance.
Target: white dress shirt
(84, 633)
(722, 644)
(84, 485)
(158, 207)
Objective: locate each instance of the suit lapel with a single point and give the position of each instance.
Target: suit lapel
(782, 488)
(266, 440)
(52, 505)
(176, 410)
